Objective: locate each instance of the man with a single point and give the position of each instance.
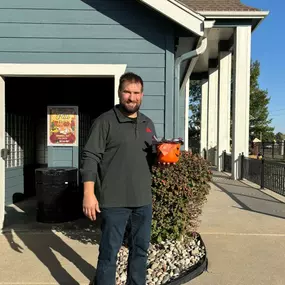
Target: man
(119, 151)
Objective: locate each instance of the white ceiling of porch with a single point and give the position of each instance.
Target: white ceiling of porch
(215, 36)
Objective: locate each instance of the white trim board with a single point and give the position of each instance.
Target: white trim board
(66, 70)
(235, 14)
(179, 13)
(48, 70)
(2, 145)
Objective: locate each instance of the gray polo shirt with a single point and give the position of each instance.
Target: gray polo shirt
(118, 157)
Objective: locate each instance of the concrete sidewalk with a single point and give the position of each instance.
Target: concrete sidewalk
(36, 253)
(243, 229)
(244, 232)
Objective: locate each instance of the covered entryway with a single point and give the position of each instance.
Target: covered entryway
(26, 125)
(24, 129)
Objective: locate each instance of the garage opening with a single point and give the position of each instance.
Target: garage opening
(26, 123)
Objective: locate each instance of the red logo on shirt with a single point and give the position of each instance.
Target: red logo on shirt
(148, 130)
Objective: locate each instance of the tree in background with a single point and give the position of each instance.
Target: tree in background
(195, 109)
(259, 100)
(279, 137)
(259, 124)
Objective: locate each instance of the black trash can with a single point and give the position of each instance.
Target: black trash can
(59, 198)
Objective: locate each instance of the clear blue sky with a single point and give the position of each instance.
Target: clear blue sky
(268, 42)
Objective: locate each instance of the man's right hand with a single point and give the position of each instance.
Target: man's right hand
(90, 202)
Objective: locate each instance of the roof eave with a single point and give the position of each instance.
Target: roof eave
(256, 16)
(178, 13)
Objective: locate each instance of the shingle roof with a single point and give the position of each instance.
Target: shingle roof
(217, 5)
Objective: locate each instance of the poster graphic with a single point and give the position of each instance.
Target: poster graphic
(62, 126)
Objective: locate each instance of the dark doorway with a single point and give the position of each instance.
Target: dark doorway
(26, 122)
(32, 95)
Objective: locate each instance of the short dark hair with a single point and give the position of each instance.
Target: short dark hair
(130, 77)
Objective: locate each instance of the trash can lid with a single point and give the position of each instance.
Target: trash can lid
(55, 169)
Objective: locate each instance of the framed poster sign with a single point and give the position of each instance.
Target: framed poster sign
(62, 126)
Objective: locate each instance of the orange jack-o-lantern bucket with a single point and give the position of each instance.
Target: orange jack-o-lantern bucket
(168, 152)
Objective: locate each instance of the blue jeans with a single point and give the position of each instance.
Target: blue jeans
(114, 221)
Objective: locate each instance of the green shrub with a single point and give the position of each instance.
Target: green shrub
(179, 192)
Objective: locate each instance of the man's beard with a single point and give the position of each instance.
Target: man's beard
(128, 109)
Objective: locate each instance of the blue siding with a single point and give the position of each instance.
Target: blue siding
(78, 45)
(63, 31)
(62, 157)
(143, 60)
(68, 16)
(136, 15)
(14, 183)
(64, 4)
(95, 32)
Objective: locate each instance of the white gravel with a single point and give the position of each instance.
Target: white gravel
(166, 261)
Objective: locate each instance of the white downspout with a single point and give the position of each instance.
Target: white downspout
(189, 55)
(186, 134)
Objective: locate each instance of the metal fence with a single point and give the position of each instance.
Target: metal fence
(194, 145)
(266, 174)
(269, 150)
(251, 169)
(227, 162)
(274, 176)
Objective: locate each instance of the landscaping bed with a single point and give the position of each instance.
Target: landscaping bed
(177, 252)
(170, 262)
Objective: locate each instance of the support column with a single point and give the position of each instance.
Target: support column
(242, 52)
(225, 68)
(204, 116)
(2, 145)
(213, 114)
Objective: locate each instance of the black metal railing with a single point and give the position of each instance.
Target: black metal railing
(251, 169)
(194, 145)
(269, 150)
(194, 150)
(227, 162)
(267, 174)
(274, 176)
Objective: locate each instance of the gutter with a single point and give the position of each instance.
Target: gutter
(234, 14)
(186, 56)
(257, 17)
